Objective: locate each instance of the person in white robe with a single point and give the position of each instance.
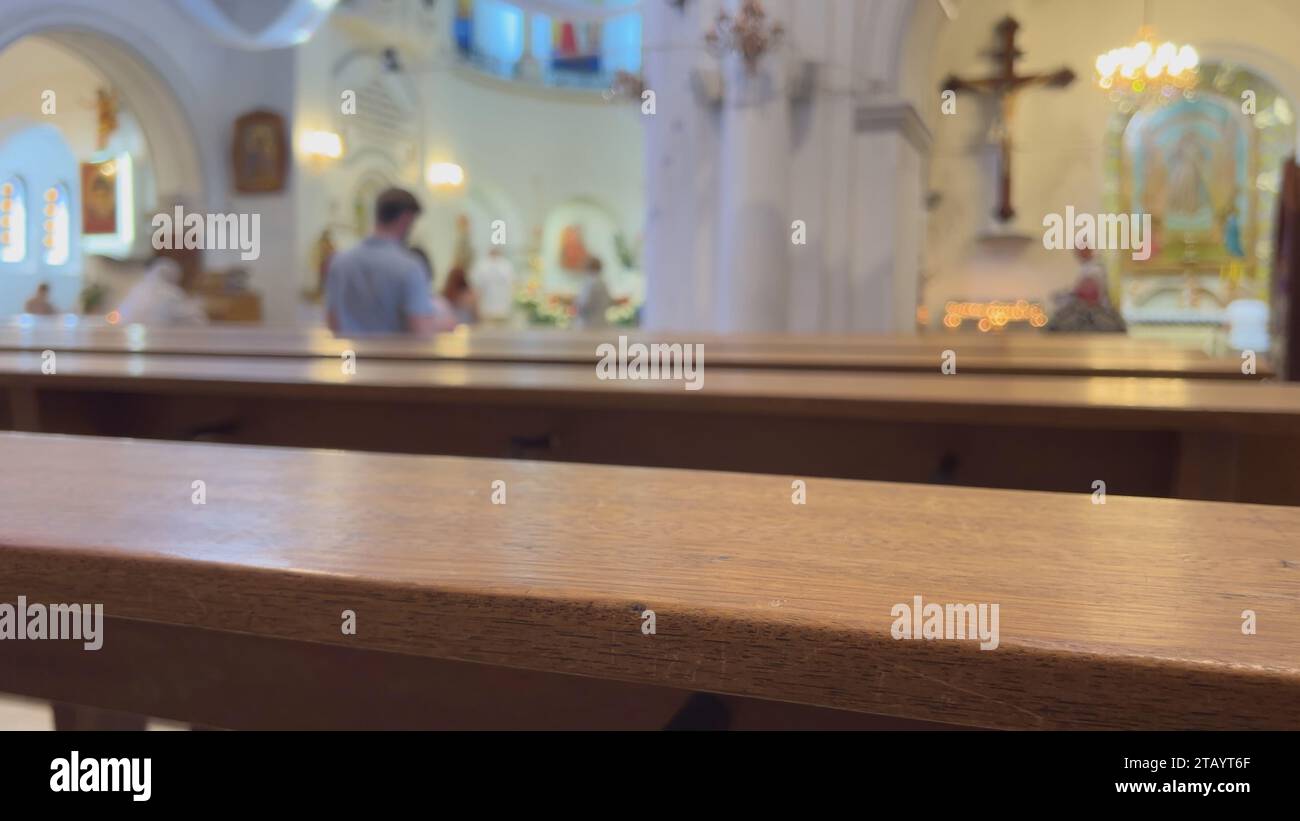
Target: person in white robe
(160, 299)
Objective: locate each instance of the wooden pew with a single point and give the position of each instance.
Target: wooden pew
(1194, 439)
(530, 613)
(1011, 354)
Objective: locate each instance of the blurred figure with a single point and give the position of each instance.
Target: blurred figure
(461, 297)
(1086, 308)
(379, 286)
(39, 303)
(593, 300)
(163, 297)
(324, 252)
(493, 279)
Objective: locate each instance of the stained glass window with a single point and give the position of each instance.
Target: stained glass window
(57, 226)
(13, 220)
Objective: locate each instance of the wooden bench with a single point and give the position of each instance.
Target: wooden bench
(1196, 439)
(1010, 354)
(530, 613)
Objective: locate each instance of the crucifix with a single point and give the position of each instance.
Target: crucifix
(1003, 85)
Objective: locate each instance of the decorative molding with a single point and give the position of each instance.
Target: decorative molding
(893, 114)
(295, 24)
(388, 119)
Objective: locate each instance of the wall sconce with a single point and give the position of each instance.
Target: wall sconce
(321, 145)
(746, 34)
(626, 87)
(445, 175)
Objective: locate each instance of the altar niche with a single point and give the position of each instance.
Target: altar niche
(1205, 167)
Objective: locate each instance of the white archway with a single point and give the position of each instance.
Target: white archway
(1282, 73)
(150, 86)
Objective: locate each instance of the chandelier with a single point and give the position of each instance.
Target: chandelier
(1148, 71)
(747, 34)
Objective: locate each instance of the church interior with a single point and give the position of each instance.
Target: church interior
(649, 364)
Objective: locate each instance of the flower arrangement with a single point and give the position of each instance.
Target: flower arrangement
(559, 310)
(551, 310)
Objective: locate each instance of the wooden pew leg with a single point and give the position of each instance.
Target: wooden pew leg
(24, 409)
(1207, 466)
(702, 711)
(945, 473)
(79, 717)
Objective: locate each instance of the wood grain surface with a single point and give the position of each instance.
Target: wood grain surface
(1034, 354)
(1122, 615)
(1059, 401)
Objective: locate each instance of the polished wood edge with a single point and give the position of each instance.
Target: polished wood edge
(758, 401)
(220, 679)
(1017, 686)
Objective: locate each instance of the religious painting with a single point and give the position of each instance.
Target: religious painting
(1208, 174)
(576, 233)
(574, 256)
(1188, 170)
(463, 26)
(99, 198)
(261, 153)
(576, 46)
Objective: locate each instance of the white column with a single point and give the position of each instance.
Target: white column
(892, 144)
(681, 150)
(726, 177)
(751, 292)
(528, 68)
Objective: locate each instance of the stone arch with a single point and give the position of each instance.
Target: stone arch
(153, 88)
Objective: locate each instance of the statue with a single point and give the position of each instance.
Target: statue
(1189, 190)
(323, 251)
(463, 256)
(1086, 308)
(106, 106)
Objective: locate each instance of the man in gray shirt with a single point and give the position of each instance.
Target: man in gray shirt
(379, 286)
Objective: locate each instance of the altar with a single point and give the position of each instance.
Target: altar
(1206, 167)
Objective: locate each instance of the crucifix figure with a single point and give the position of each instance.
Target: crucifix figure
(1003, 85)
